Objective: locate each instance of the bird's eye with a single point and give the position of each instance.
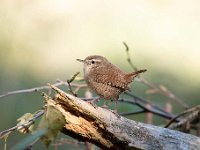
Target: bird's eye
(93, 62)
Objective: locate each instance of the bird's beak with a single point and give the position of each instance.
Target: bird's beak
(80, 60)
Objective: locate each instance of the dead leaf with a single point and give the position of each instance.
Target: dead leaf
(26, 127)
(52, 121)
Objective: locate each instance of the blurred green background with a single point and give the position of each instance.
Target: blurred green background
(40, 41)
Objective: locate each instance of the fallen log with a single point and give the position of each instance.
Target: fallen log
(108, 130)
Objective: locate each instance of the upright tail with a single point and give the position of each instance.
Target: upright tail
(132, 75)
(137, 72)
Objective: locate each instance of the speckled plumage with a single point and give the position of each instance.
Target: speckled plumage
(104, 78)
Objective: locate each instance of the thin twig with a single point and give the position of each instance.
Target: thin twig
(144, 102)
(133, 113)
(36, 89)
(186, 121)
(196, 108)
(69, 84)
(154, 109)
(128, 57)
(149, 115)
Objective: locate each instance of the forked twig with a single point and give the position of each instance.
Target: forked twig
(195, 110)
(69, 83)
(129, 58)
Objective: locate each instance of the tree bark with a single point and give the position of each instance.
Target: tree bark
(108, 130)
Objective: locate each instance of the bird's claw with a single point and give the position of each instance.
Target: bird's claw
(115, 112)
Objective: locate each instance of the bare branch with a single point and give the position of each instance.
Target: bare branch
(36, 89)
(194, 110)
(154, 109)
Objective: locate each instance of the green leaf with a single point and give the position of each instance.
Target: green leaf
(52, 121)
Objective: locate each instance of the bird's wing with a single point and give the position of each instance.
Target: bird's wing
(112, 78)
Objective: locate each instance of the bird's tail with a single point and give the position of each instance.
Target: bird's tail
(132, 75)
(135, 73)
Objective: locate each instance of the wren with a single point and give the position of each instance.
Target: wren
(104, 78)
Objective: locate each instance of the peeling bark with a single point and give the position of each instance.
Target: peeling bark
(107, 130)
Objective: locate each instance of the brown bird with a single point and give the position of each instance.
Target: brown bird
(104, 78)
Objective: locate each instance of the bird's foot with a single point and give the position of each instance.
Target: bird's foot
(92, 102)
(115, 112)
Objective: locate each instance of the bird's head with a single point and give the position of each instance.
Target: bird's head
(92, 62)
